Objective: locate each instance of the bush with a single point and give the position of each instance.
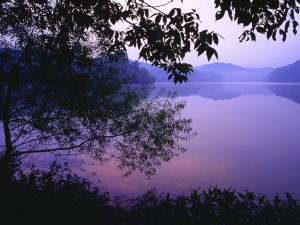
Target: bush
(58, 196)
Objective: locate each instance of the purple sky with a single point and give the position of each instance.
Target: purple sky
(261, 53)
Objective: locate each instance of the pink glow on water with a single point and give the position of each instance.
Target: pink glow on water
(247, 142)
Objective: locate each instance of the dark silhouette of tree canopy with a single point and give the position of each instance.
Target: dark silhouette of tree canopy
(270, 17)
(83, 29)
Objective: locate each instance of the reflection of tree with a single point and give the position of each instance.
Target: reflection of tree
(99, 115)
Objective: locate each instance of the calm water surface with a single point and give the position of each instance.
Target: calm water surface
(248, 138)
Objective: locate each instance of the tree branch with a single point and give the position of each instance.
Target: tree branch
(71, 147)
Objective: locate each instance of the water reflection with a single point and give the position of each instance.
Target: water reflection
(248, 139)
(289, 91)
(227, 90)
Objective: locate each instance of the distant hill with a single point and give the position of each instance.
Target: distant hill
(158, 73)
(230, 72)
(215, 72)
(289, 73)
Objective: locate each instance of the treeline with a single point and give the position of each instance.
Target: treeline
(59, 197)
(289, 73)
(136, 74)
(120, 66)
(126, 70)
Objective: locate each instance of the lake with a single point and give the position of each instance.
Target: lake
(248, 139)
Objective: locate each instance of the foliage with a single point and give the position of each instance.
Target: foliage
(59, 197)
(74, 31)
(101, 115)
(70, 32)
(65, 89)
(271, 17)
(213, 206)
(53, 197)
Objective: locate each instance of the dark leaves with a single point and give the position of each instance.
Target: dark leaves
(264, 17)
(158, 18)
(216, 38)
(220, 14)
(165, 39)
(283, 34)
(210, 52)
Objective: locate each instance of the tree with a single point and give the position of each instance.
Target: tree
(270, 17)
(54, 76)
(62, 90)
(100, 115)
(163, 38)
(74, 30)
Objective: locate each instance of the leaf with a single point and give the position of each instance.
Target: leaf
(201, 49)
(274, 35)
(295, 24)
(292, 15)
(220, 14)
(146, 12)
(283, 33)
(217, 3)
(261, 30)
(165, 19)
(242, 37)
(210, 52)
(178, 11)
(230, 14)
(116, 35)
(209, 39)
(126, 14)
(255, 20)
(286, 27)
(177, 38)
(295, 31)
(253, 36)
(197, 43)
(187, 46)
(176, 79)
(216, 38)
(184, 78)
(172, 12)
(269, 33)
(216, 54)
(188, 18)
(158, 18)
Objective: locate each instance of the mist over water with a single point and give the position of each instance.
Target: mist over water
(248, 139)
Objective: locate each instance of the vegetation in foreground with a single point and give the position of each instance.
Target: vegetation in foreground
(58, 196)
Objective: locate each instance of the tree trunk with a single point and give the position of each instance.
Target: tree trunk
(5, 171)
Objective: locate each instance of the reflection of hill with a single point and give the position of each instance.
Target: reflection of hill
(289, 91)
(221, 91)
(216, 91)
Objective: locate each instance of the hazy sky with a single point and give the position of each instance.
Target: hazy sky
(261, 53)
